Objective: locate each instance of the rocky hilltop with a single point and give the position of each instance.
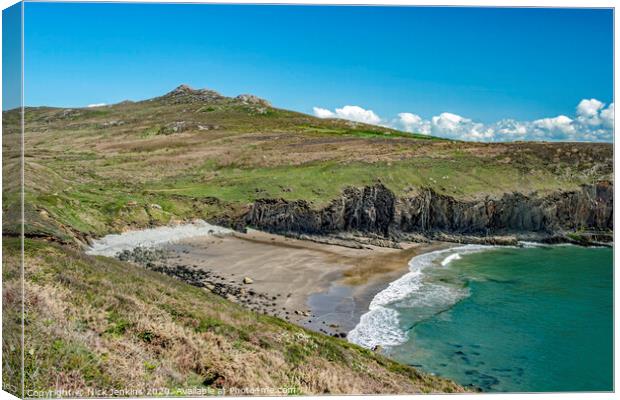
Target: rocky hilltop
(185, 94)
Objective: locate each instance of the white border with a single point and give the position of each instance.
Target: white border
(475, 3)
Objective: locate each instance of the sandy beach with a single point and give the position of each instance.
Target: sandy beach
(321, 286)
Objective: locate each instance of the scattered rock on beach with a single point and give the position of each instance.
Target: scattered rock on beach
(161, 260)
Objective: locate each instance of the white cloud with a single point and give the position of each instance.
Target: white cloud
(593, 121)
(323, 113)
(352, 113)
(96, 105)
(589, 108)
(557, 126)
(356, 113)
(509, 128)
(455, 126)
(448, 122)
(480, 133)
(607, 116)
(413, 123)
(588, 112)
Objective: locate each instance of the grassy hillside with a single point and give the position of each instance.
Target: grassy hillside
(99, 324)
(194, 153)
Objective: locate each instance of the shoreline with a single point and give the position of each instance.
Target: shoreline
(344, 302)
(325, 287)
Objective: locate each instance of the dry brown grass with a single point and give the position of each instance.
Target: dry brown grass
(95, 323)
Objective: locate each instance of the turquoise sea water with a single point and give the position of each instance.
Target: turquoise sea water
(507, 319)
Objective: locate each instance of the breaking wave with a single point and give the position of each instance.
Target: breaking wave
(413, 293)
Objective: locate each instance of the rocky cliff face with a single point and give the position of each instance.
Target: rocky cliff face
(376, 210)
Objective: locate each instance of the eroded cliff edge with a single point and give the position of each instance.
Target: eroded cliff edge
(584, 215)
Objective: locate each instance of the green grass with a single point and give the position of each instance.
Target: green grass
(367, 133)
(118, 325)
(322, 182)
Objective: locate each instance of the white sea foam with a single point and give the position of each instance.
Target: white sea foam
(450, 258)
(378, 326)
(110, 245)
(527, 244)
(381, 324)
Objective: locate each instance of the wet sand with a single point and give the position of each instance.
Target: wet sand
(321, 286)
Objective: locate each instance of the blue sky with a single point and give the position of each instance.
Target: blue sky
(483, 63)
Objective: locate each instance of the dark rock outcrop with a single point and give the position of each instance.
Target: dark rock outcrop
(185, 94)
(376, 210)
(588, 208)
(252, 100)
